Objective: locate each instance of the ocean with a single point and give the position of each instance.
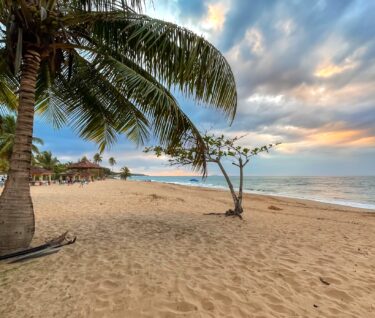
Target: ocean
(356, 192)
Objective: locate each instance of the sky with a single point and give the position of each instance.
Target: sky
(305, 73)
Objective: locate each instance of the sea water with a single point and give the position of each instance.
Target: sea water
(350, 191)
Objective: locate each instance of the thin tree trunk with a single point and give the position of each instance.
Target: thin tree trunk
(231, 188)
(239, 208)
(17, 223)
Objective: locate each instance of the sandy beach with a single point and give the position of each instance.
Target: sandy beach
(147, 250)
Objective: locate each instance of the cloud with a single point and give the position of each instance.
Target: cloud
(192, 9)
(215, 16)
(305, 72)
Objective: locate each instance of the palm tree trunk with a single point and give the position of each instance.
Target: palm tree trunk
(17, 223)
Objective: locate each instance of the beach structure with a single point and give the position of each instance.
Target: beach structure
(40, 176)
(82, 170)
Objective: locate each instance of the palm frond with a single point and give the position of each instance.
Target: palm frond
(103, 5)
(49, 106)
(96, 110)
(108, 70)
(38, 141)
(174, 55)
(8, 85)
(169, 122)
(129, 120)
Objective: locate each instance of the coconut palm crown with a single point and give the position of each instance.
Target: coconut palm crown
(97, 158)
(46, 160)
(125, 173)
(112, 161)
(105, 69)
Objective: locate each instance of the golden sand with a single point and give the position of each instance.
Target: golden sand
(147, 250)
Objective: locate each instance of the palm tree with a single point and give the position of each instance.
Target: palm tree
(8, 85)
(98, 158)
(132, 62)
(125, 173)
(4, 165)
(112, 162)
(46, 160)
(7, 137)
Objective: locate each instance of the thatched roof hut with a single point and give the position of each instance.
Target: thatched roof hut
(40, 171)
(40, 174)
(83, 169)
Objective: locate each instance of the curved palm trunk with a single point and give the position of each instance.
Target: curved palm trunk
(17, 222)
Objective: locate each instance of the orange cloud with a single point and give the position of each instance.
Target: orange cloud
(318, 95)
(332, 138)
(216, 16)
(338, 138)
(332, 69)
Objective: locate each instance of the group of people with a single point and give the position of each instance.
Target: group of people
(70, 181)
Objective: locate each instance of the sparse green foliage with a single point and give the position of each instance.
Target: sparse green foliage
(217, 150)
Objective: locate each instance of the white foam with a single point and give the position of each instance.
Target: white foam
(283, 195)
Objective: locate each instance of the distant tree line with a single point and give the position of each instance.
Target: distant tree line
(44, 159)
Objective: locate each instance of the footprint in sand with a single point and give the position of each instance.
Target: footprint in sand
(225, 299)
(101, 303)
(339, 295)
(182, 306)
(109, 284)
(207, 305)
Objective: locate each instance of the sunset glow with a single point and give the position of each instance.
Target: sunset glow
(305, 77)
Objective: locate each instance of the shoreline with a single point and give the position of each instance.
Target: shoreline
(147, 250)
(363, 206)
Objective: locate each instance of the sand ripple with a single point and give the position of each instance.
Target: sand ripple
(146, 250)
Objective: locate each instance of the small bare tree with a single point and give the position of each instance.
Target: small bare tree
(218, 149)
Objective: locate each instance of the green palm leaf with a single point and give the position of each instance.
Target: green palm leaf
(7, 136)
(133, 62)
(8, 85)
(174, 55)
